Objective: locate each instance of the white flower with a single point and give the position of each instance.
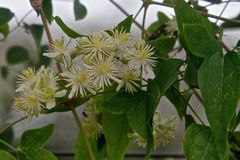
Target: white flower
(129, 77)
(98, 44)
(26, 79)
(143, 57)
(121, 37)
(141, 142)
(29, 103)
(103, 70)
(79, 81)
(57, 48)
(171, 25)
(48, 87)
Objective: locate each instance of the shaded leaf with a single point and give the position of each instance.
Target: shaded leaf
(5, 15)
(43, 60)
(163, 46)
(198, 39)
(17, 54)
(126, 24)
(123, 102)
(189, 120)
(80, 10)
(115, 129)
(71, 33)
(4, 72)
(47, 9)
(7, 136)
(4, 29)
(6, 156)
(190, 75)
(35, 138)
(81, 152)
(167, 69)
(198, 143)
(36, 31)
(179, 100)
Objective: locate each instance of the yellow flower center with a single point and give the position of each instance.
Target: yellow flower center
(129, 75)
(142, 55)
(81, 78)
(103, 69)
(31, 100)
(49, 93)
(29, 74)
(123, 37)
(98, 44)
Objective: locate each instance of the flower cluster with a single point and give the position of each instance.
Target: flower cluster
(37, 90)
(163, 130)
(102, 60)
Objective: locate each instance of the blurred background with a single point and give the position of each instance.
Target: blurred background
(101, 14)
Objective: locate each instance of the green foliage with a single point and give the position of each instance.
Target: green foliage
(198, 143)
(162, 19)
(218, 81)
(36, 31)
(71, 33)
(163, 45)
(198, 39)
(6, 136)
(80, 10)
(5, 16)
(37, 154)
(123, 102)
(126, 24)
(4, 72)
(115, 129)
(47, 9)
(17, 54)
(167, 69)
(36, 138)
(4, 29)
(81, 152)
(6, 156)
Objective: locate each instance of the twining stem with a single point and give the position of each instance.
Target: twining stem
(134, 18)
(8, 145)
(77, 119)
(12, 124)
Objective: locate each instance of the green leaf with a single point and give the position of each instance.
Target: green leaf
(81, 152)
(190, 75)
(6, 156)
(47, 9)
(36, 138)
(167, 73)
(7, 136)
(126, 24)
(163, 46)
(4, 29)
(43, 60)
(115, 129)
(185, 14)
(5, 16)
(36, 31)
(123, 102)
(219, 84)
(198, 39)
(80, 10)
(179, 100)
(71, 33)
(189, 120)
(235, 142)
(198, 143)
(162, 19)
(17, 54)
(37, 154)
(4, 72)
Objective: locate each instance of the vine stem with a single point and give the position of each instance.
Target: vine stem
(144, 19)
(75, 115)
(8, 145)
(10, 125)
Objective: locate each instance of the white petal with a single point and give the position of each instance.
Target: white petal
(51, 55)
(51, 103)
(61, 93)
